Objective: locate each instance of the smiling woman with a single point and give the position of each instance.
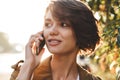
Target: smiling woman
(69, 27)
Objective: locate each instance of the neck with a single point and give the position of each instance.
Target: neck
(64, 66)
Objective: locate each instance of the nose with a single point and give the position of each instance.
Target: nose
(54, 30)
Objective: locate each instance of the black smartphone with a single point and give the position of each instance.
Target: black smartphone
(40, 46)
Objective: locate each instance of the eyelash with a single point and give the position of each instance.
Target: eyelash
(62, 24)
(47, 24)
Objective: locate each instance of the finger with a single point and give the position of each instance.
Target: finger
(28, 51)
(41, 53)
(41, 32)
(40, 36)
(35, 40)
(35, 37)
(32, 40)
(36, 45)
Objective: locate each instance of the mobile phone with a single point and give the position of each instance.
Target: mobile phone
(40, 46)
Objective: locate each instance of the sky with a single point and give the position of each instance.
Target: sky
(21, 18)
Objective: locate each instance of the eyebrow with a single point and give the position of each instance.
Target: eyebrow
(47, 19)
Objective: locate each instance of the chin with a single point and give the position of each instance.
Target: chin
(54, 52)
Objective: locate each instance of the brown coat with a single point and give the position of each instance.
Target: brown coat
(43, 72)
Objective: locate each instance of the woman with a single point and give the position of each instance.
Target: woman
(69, 27)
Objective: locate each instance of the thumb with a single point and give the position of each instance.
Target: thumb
(41, 53)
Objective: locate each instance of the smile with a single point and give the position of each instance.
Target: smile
(54, 42)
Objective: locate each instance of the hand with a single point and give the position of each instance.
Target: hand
(31, 59)
(30, 51)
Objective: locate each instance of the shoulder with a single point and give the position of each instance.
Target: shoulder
(85, 75)
(43, 71)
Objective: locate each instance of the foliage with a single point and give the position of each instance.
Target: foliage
(4, 43)
(107, 12)
(6, 46)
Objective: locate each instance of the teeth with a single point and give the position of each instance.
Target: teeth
(54, 41)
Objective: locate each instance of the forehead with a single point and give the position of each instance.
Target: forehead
(48, 15)
(53, 16)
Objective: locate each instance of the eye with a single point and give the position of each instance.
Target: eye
(47, 24)
(64, 24)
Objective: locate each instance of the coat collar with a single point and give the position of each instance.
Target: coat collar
(43, 72)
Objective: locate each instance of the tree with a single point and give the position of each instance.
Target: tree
(108, 15)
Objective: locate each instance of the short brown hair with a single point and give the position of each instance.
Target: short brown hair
(81, 19)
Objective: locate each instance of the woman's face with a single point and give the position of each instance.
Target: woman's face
(59, 36)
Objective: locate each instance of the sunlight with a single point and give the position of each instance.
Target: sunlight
(21, 18)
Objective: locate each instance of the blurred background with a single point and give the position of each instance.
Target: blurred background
(21, 18)
(18, 20)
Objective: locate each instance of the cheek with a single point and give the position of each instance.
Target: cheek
(45, 32)
(70, 39)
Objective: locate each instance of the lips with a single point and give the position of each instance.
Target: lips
(54, 42)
